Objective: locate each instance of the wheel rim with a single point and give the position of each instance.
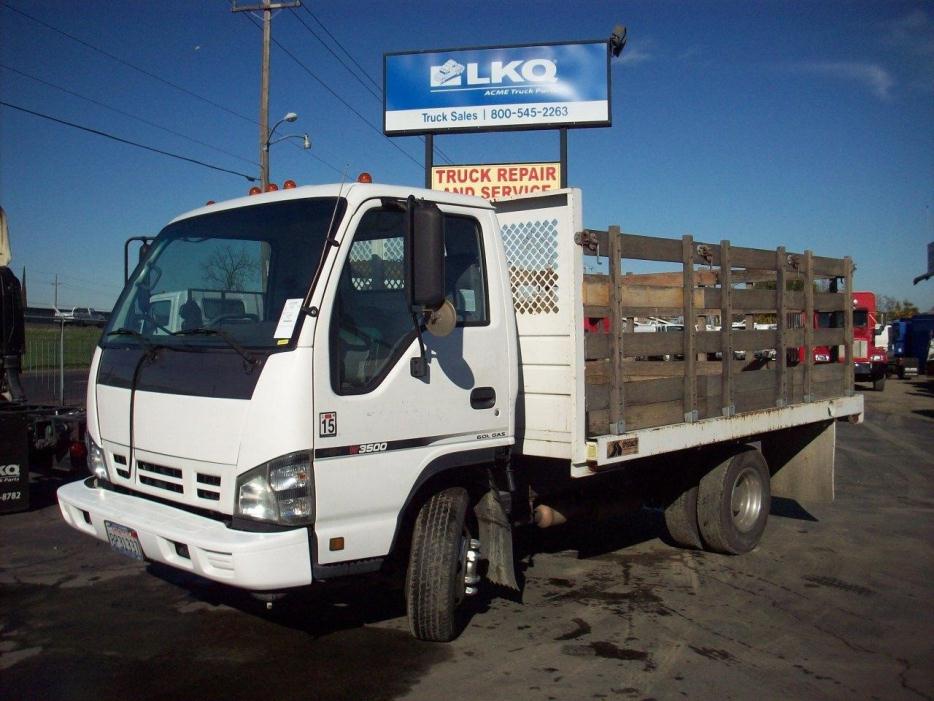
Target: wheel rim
(746, 500)
(466, 576)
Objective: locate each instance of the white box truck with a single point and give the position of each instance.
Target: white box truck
(397, 376)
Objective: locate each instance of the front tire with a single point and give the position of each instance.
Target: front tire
(733, 503)
(438, 563)
(878, 384)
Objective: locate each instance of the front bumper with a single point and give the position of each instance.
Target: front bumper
(255, 561)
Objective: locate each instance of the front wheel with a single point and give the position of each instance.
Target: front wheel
(442, 566)
(733, 503)
(878, 384)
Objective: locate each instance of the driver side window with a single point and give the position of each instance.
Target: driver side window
(371, 325)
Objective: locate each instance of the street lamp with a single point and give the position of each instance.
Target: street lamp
(264, 161)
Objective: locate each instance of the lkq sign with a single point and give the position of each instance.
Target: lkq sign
(485, 89)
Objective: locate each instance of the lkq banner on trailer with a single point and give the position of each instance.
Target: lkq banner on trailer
(486, 89)
(496, 180)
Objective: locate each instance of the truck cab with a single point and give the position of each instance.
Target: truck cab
(265, 355)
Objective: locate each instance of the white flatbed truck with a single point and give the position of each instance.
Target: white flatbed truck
(412, 380)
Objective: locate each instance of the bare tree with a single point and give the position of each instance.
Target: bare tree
(895, 309)
(230, 268)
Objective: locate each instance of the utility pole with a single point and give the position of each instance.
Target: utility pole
(56, 284)
(266, 8)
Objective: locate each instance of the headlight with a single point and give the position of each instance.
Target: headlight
(96, 463)
(281, 490)
(877, 358)
(822, 357)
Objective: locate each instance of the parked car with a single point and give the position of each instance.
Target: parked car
(83, 316)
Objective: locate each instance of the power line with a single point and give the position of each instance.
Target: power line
(127, 141)
(128, 64)
(333, 167)
(336, 96)
(375, 93)
(379, 91)
(341, 46)
(126, 114)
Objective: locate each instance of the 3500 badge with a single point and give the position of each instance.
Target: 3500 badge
(368, 448)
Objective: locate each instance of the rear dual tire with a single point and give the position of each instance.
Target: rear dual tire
(727, 510)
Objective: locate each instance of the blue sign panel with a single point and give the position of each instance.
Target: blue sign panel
(510, 87)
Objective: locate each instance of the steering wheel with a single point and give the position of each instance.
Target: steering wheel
(366, 341)
(148, 320)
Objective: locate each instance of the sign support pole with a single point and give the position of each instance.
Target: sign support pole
(429, 158)
(564, 157)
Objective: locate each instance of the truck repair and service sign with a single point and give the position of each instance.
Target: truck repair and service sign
(496, 180)
(508, 87)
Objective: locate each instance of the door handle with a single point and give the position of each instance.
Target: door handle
(482, 397)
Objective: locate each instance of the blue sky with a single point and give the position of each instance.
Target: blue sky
(804, 124)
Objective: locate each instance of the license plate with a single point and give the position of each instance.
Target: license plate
(124, 540)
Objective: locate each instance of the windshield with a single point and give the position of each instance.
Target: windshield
(239, 275)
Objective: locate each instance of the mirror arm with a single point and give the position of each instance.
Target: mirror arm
(418, 367)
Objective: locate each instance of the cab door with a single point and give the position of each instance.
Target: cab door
(380, 427)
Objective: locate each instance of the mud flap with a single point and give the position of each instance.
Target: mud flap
(496, 540)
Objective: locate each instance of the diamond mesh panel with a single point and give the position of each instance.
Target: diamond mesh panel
(532, 254)
(377, 264)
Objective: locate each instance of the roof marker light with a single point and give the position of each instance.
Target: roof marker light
(272, 187)
(255, 190)
(289, 185)
(364, 178)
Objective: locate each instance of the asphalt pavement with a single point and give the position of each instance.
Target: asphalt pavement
(834, 604)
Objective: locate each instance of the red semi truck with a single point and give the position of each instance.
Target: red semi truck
(871, 360)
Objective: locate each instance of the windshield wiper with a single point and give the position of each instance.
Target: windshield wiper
(143, 340)
(226, 337)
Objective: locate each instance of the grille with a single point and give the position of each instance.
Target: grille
(124, 471)
(860, 349)
(159, 469)
(145, 470)
(532, 254)
(162, 484)
(212, 481)
(200, 485)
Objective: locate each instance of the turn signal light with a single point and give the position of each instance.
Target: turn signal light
(289, 185)
(364, 178)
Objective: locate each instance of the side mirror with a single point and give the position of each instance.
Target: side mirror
(424, 255)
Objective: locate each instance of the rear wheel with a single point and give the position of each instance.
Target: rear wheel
(442, 566)
(681, 519)
(733, 503)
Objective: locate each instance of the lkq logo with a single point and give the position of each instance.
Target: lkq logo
(452, 74)
(9, 470)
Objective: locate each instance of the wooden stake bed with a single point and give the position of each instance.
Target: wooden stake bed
(717, 346)
(738, 332)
